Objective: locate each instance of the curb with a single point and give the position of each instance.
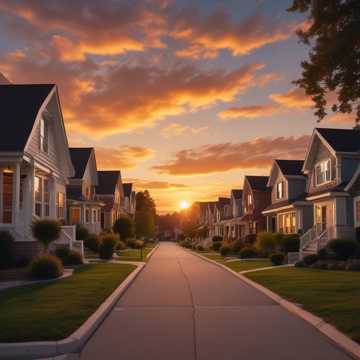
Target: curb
(265, 268)
(150, 254)
(336, 337)
(74, 342)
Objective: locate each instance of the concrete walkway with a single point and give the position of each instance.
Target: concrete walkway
(183, 308)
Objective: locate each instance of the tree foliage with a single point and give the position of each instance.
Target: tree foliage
(124, 226)
(145, 215)
(333, 66)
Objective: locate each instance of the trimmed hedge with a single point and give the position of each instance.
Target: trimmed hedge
(7, 258)
(46, 267)
(216, 246)
(343, 248)
(277, 258)
(225, 249)
(310, 259)
(92, 242)
(108, 246)
(248, 253)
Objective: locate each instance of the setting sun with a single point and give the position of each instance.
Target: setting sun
(184, 204)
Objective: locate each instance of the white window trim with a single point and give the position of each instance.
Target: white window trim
(282, 182)
(284, 225)
(1, 201)
(315, 175)
(42, 178)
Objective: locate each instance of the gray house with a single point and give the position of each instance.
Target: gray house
(289, 212)
(333, 187)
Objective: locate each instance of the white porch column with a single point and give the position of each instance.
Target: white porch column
(299, 219)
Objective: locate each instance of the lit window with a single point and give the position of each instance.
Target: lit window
(44, 136)
(60, 205)
(280, 190)
(322, 172)
(7, 197)
(46, 198)
(38, 196)
(357, 211)
(75, 215)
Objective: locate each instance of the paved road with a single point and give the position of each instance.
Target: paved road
(184, 308)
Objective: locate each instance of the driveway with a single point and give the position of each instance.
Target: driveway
(183, 308)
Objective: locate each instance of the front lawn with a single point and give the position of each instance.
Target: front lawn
(53, 311)
(134, 254)
(331, 295)
(241, 265)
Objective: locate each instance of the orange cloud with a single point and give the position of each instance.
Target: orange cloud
(342, 118)
(206, 36)
(294, 98)
(248, 112)
(156, 185)
(121, 157)
(176, 129)
(253, 154)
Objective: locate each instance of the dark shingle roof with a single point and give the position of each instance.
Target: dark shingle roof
(107, 182)
(258, 182)
(74, 193)
(290, 167)
(237, 193)
(127, 189)
(19, 106)
(80, 158)
(347, 140)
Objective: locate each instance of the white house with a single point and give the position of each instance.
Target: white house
(35, 163)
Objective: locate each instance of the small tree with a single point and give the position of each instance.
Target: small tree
(108, 246)
(124, 226)
(46, 231)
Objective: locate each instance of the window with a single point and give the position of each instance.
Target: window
(287, 223)
(323, 172)
(280, 190)
(357, 211)
(94, 216)
(87, 216)
(249, 199)
(38, 196)
(60, 205)
(99, 215)
(44, 136)
(75, 216)
(46, 198)
(7, 196)
(42, 196)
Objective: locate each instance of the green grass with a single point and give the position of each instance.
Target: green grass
(134, 254)
(331, 295)
(240, 265)
(54, 310)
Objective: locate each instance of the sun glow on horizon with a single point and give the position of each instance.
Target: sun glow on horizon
(184, 204)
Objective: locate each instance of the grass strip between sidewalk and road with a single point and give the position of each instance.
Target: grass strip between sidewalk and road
(53, 311)
(134, 254)
(331, 295)
(240, 265)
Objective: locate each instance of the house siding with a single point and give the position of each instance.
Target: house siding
(348, 168)
(296, 188)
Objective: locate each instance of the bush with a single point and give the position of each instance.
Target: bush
(290, 243)
(216, 245)
(323, 254)
(120, 245)
(266, 242)
(73, 258)
(225, 249)
(46, 267)
(92, 242)
(277, 258)
(46, 231)
(353, 266)
(138, 244)
(62, 252)
(7, 258)
(250, 239)
(107, 247)
(124, 226)
(300, 264)
(217, 238)
(82, 233)
(310, 259)
(248, 253)
(200, 248)
(343, 248)
(236, 246)
(357, 232)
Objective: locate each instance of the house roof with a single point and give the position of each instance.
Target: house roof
(258, 182)
(20, 105)
(80, 158)
(107, 182)
(237, 193)
(283, 203)
(127, 189)
(290, 167)
(343, 140)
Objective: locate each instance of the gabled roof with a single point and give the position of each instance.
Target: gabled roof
(343, 140)
(258, 182)
(290, 167)
(107, 182)
(237, 193)
(19, 106)
(80, 158)
(127, 189)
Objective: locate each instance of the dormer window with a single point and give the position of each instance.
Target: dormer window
(280, 190)
(323, 172)
(249, 199)
(44, 135)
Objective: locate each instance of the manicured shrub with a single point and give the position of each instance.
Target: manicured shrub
(200, 248)
(107, 247)
(277, 258)
(124, 226)
(357, 232)
(250, 239)
(310, 259)
(73, 258)
(248, 253)
(236, 246)
(225, 249)
(92, 242)
(7, 258)
(266, 242)
(46, 267)
(82, 233)
(323, 254)
(343, 248)
(300, 264)
(217, 238)
(138, 244)
(216, 245)
(62, 252)
(120, 245)
(46, 231)
(289, 243)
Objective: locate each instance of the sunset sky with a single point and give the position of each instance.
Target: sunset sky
(185, 97)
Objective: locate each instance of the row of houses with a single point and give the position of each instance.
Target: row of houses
(317, 198)
(41, 177)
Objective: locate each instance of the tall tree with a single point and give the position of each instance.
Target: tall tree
(145, 215)
(334, 58)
